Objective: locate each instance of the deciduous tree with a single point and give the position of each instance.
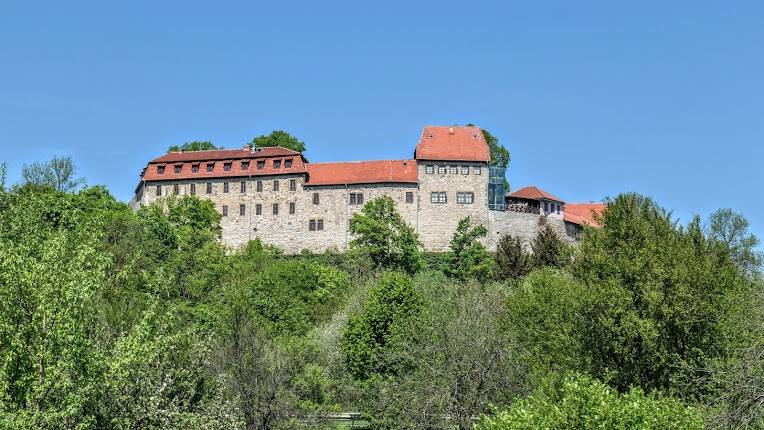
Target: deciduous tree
(279, 138)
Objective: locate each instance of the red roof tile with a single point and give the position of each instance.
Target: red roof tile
(583, 213)
(534, 193)
(223, 154)
(362, 172)
(452, 144)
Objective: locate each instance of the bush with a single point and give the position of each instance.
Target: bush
(512, 262)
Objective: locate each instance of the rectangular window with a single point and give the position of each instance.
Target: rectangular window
(210, 167)
(177, 168)
(293, 185)
(312, 225)
(477, 170)
(160, 170)
(429, 169)
(288, 163)
(546, 206)
(209, 187)
(243, 187)
(242, 210)
(260, 164)
(275, 185)
(275, 209)
(226, 167)
(409, 197)
(315, 198)
(258, 209)
(193, 189)
(176, 189)
(558, 209)
(465, 170)
(225, 187)
(259, 186)
(291, 208)
(245, 165)
(460, 198)
(442, 170)
(453, 170)
(194, 168)
(159, 190)
(356, 198)
(276, 164)
(225, 210)
(319, 224)
(442, 197)
(469, 198)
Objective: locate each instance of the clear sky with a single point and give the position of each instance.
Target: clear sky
(592, 98)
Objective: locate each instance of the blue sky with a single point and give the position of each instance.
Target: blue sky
(592, 98)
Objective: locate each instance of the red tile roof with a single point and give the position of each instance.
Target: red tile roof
(452, 144)
(362, 172)
(583, 213)
(534, 193)
(186, 160)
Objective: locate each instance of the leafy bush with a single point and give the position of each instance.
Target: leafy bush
(468, 258)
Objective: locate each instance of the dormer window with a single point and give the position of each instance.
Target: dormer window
(177, 168)
(276, 164)
(227, 167)
(210, 167)
(160, 170)
(288, 163)
(260, 164)
(245, 165)
(195, 168)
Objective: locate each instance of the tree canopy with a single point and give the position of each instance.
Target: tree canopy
(58, 173)
(279, 138)
(196, 145)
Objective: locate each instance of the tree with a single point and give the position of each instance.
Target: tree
(580, 403)
(731, 229)
(512, 262)
(468, 257)
(547, 248)
(388, 311)
(279, 138)
(499, 153)
(196, 145)
(3, 175)
(384, 236)
(58, 173)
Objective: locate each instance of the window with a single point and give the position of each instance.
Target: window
(176, 189)
(258, 209)
(409, 197)
(465, 198)
(453, 170)
(260, 164)
(195, 168)
(242, 210)
(177, 168)
(209, 187)
(558, 209)
(225, 187)
(193, 189)
(288, 163)
(276, 164)
(356, 198)
(275, 185)
(227, 167)
(442, 170)
(225, 210)
(320, 224)
(259, 186)
(291, 208)
(293, 185)
(465, 170)
(315, 225)
(477, 170)
(160, 170)
(275, 209)
(159, 190)
(312, 225)
(243, 187)
(438, 197)
(245, 165)
(429, 169)
(315, 198)
(546, 206)
(210, 167)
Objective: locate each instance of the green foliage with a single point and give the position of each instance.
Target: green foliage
(391, 306)
(731, 229)
(579, 402)
(468, 257)
(58, 173)
(512, 262)
(279, 138)
(499, 153)
(384, 236)
(3, 175)
(548, 249)
(196, 145)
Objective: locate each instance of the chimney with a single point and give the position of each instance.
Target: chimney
(450, 130)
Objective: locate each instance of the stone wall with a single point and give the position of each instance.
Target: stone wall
(522, 225)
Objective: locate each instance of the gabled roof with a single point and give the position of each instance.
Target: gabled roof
(583, 213)
(443, 143)
(224, 154)
(535, 193)
(362, 172)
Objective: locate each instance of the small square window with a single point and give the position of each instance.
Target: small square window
(242, 210)
(194, 168)
(442, 197)
(356, 198)
(225, 210)
(429, 169)
(453, 170)
(192, 189)
(293, 185)
(243, 187)
(176, 189)
(275, 209)
(245, 165)
(477, 170)
(409, 197)
(465, 170)
(209, 187)
(288, 163)
(226, 167)
(315, 198)
(225, 187)
(259, 186)
(276, 164)
(275, 185)
(160, 170)
(210, 167)
(159, 190)
(442, 170)
(178, 167)
(258, 209)
(291, 208)
(260, 164)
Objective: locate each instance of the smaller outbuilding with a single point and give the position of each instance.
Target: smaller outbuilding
(532, 199)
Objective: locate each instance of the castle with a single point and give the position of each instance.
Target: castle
(276, 195)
